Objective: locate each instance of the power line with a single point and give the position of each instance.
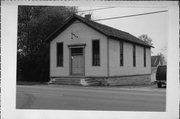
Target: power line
(128, 16)
(131, 15)
(96, 9)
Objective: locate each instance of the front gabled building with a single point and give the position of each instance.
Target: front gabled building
(156, 61)
(83, 48)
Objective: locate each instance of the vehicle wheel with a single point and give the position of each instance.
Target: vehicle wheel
(159, 85)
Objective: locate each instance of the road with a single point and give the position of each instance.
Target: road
(89, 98)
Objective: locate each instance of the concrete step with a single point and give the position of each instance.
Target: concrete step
(66, 81)
(91, 81)
(74, 81)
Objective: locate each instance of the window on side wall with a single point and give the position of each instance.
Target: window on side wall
(144, 56)
(134, 55)
(59, 54)
(95, 53)
(121, 53)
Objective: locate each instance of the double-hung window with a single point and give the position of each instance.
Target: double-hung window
(144, 56)
(121, 54)
(134, 55)
(95, 53)
(59, 54)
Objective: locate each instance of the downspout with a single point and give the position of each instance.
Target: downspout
(50, 78)
(108, 57)
(150, 59)
(107, 77)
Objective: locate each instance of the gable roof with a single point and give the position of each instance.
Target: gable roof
(106, 30)
(155, 60)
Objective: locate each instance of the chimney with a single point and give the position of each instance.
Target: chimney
(88, 16)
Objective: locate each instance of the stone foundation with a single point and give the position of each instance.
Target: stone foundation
(125, 80)
(104, 81)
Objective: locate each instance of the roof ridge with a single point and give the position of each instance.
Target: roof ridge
(100, 24)
(102, 28)
(111, 29)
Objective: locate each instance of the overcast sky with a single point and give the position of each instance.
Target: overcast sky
(154, 25)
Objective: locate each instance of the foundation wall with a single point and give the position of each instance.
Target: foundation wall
(126, 80)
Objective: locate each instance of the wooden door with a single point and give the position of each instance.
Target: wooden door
(77, 61)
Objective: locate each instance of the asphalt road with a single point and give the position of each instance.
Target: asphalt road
(89, 98)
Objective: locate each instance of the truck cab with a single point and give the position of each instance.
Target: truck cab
(161, 76)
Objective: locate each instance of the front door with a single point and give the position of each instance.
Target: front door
(77, 61)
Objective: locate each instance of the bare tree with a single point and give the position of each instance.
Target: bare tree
(146, 39)
(162, 58)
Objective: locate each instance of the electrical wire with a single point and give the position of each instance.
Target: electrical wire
(131, 15)
(96, 9)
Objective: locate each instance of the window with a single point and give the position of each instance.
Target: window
(134, 55)
(121, 54)
(144, 56)
(95, 53)
(60, 54)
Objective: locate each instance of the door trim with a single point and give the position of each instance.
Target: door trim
(70, 60)
(77, 45)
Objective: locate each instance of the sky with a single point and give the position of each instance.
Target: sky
(154, 25)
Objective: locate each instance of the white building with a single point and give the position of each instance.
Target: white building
(85, 49)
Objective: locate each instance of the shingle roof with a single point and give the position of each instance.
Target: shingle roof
(155, 60)
(104, 29)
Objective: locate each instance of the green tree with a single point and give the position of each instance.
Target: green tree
(35, 24)
(25, 15)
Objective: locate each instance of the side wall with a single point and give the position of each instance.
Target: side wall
(128, 69)
(85, 36)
